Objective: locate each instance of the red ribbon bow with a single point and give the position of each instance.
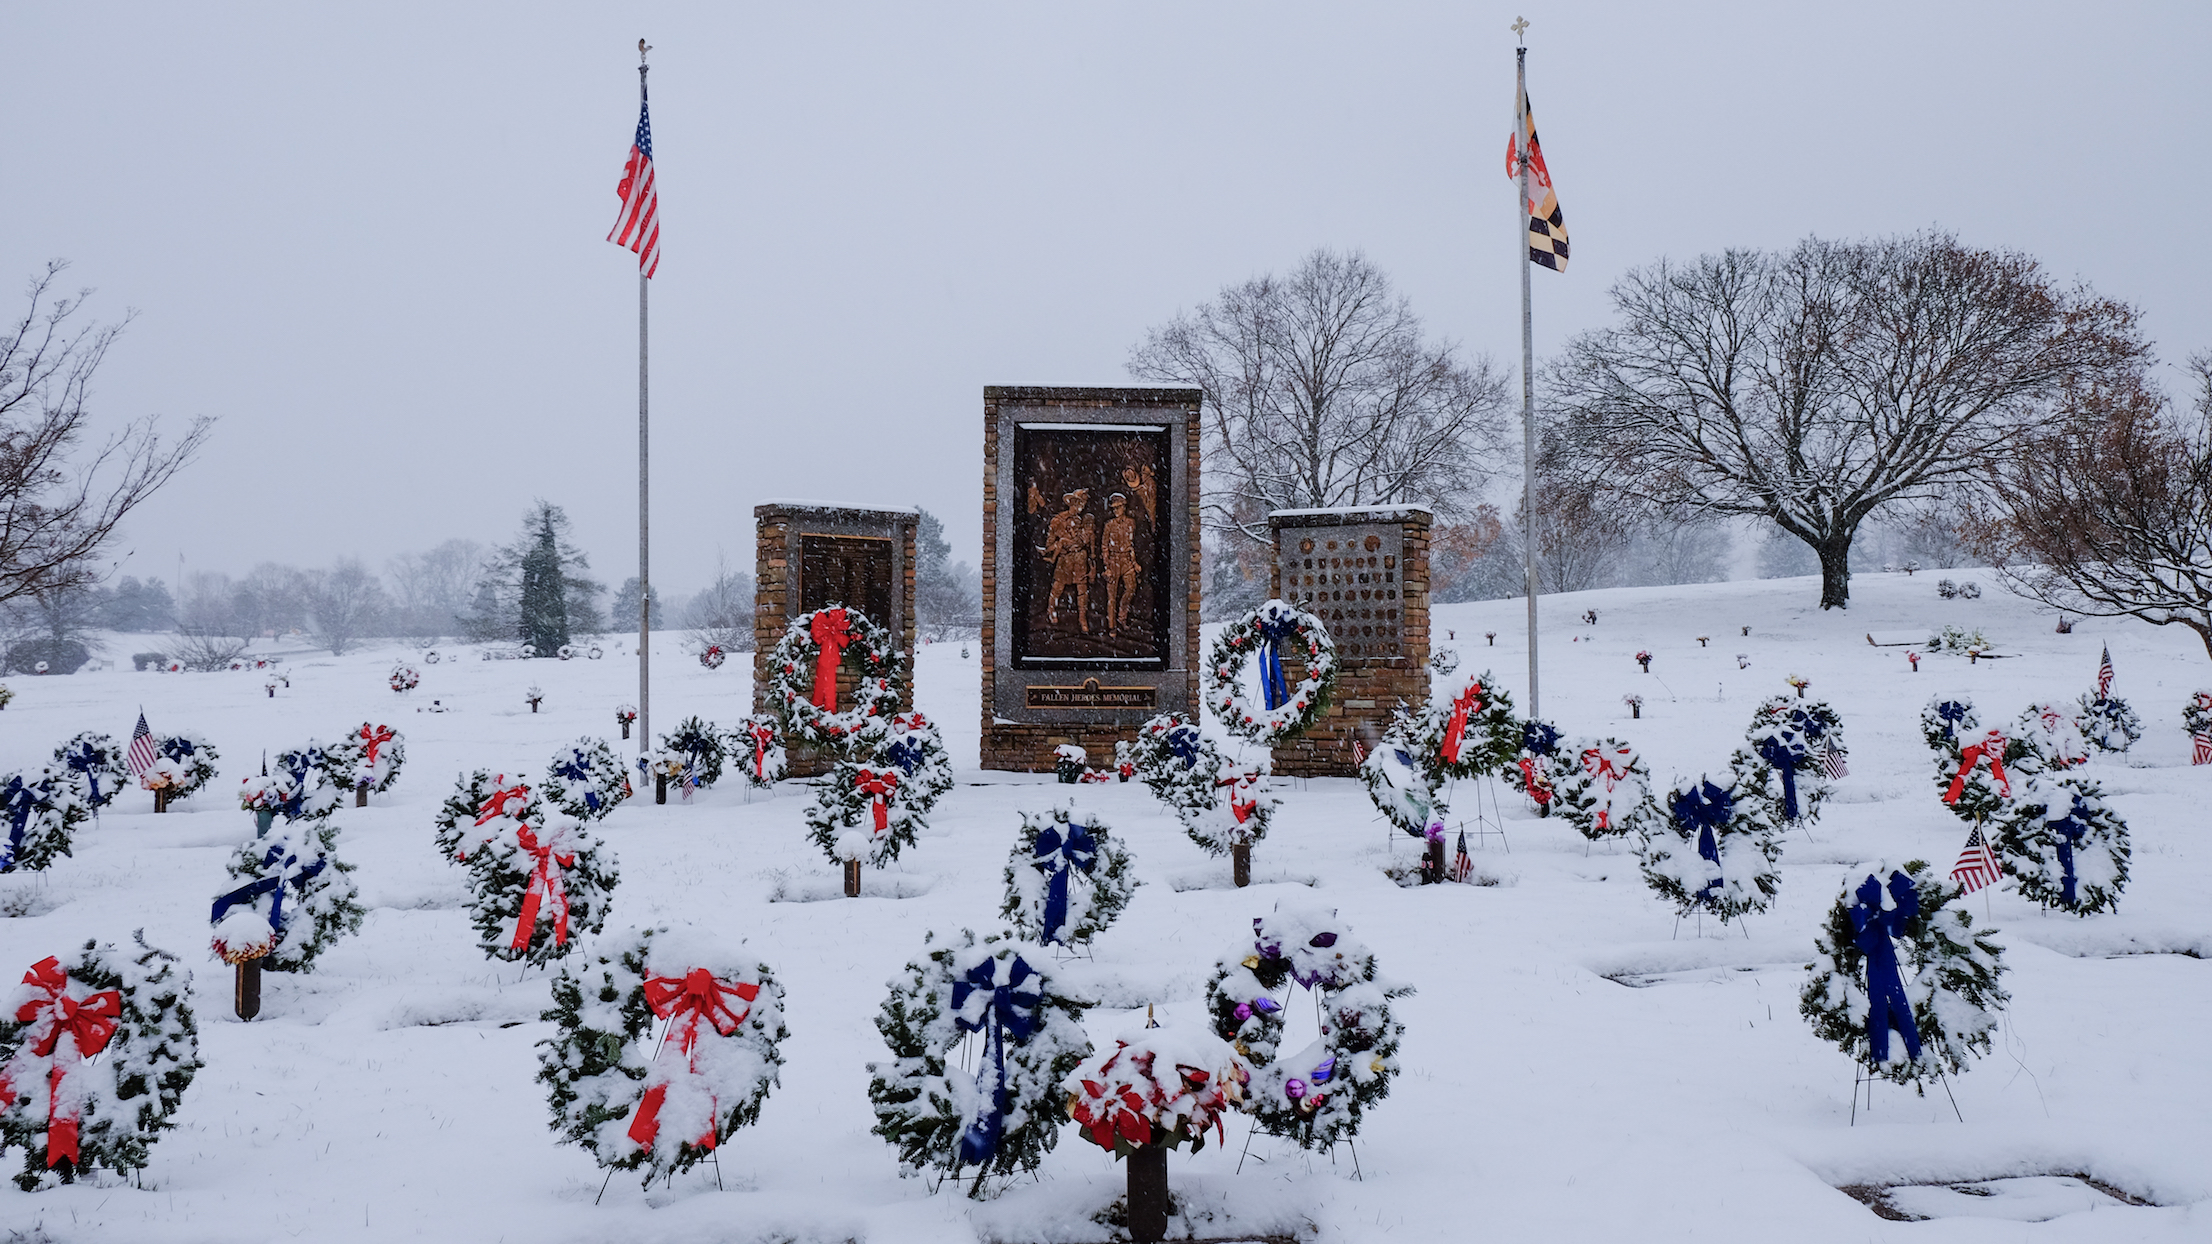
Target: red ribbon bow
(1469, 701)
(1538, 788)
(685, 1001)
(762, 737)
(878, 787)
(1599, 764)
(89, 1022)
(833, 631)
(545, 883)
(1992, 747)
(1241, 809)
(373, 740)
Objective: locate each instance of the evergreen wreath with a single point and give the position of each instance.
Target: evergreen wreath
(757, 747)
(797, 673)
(95, 764)
(348, 763)
(405, 679)
(980, 1040)
(1401, 784)
(1794, 755)
(187, 763)
(291, 898)
(2196, 714)
(585, 780)
(1713, 851)
(661, 1106)
(912, 745)
(1067, 879)
(482, 807)
(1239, 813)
(1474, 734)
(1540, 755)
(1286, 711)
(1157, 1088)
(865, 812)
(2108, 724)
(131, 1009)
(40, 810)
(693, 751)
(2054, 735)
(2064, 846)
(298, 786)
(1939, 974)
(1177, 762)
(534, 890)
(1320, 1094)
(1603, 788)
(1977, 771)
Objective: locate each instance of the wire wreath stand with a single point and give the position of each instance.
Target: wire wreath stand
(1350, 1142)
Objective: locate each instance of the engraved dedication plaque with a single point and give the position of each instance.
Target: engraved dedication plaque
(1349, 577)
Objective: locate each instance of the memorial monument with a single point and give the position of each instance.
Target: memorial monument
(1364, 571)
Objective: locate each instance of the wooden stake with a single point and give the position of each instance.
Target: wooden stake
(1240, 863)
(361, 795)
(660, 788)
(1147, 1213)
(1434, 872)
(246, 997)
(852, 878)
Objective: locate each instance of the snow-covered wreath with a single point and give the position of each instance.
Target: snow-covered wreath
(1540, 757)
(912, 745)
(661, 1104)
(802, 676)
(1401, 784)
(585, 779)
(2054, 734)
(297, 786)
(95, 1057)
(184, 763)
(1067, 878)
(2108, 723)
(1794, 754)
(1286, 709)
(535, 889)
(1714, 851)
(1176, 761)
(1471, 735)
(2196, 716)
(1603, 788)
(1901, 980)
(1157, 1087)
(483, 806)
(2064, 846)
(95, 764)
(41, 809)
(691, 755)
(864, 812)
(1976, 770)
(370, 755)
(1317, 1095)
(980, 1040)
(291, 899)
(405, 679)
(756, 745)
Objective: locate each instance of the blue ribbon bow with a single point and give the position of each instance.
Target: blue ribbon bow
(1704, 808)
(1885, 985)
(1953, 715)
(19, 798)
(1059, 854)
(176, 749)
(1008, 1010)
(905, 754)
(575, 771)
(283, 859)
(1539, 738)
(88, 760)
(1183, 741)
(2070, 830)
(1274, 687)
(1784, 749)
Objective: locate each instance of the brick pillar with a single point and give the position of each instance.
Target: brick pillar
(1365, 573)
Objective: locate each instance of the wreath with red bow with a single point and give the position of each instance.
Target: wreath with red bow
(802, 677)
(666, 1043)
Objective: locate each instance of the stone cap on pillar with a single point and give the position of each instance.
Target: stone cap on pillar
(1416, 511)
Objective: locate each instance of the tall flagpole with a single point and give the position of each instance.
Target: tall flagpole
(1528, 355)
(644, 509)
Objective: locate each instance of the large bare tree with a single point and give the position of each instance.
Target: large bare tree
(1815, 386)
(1322, 390)
(57, 510)
(2111, 515)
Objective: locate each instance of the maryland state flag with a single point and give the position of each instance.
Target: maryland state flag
(1547, 227)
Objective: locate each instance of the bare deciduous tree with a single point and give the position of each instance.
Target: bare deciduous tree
(1814, 387)
(55, 512)
(343, 603)
(2111, 515)
(1321, 390)
(721, 615)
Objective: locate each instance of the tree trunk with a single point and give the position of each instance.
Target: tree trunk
(1835, 571)
(1147, 1215)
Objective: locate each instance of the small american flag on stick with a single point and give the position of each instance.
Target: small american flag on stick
(2104, 674)
(142, 755)
(1831, 762)
(1462, 867)
(1977, 864)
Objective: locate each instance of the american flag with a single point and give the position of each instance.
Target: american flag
(639, 225)
(1462, 867)
(1831, 760)
(1977, 864)
(142, 755)
(2104, 674)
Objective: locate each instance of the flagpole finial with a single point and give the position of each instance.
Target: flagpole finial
(1520, 29)
(642, 49)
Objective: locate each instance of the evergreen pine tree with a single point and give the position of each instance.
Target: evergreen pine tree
(544, 604)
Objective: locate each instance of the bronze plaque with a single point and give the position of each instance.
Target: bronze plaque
(1090, 548)
(854, 571)
(1091, 695)
(1348, 577)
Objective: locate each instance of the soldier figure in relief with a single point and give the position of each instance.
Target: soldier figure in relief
(1120, 551)
(1069, 539)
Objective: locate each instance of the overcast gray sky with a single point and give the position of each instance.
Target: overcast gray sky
(371, 242)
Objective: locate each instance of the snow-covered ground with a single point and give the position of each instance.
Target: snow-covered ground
(1574, 1069)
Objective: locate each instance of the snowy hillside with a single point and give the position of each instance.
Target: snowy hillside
(1576, 1066)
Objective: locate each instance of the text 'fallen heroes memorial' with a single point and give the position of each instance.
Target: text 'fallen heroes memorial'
(1090, 567)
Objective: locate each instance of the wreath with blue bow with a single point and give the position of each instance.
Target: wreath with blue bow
(2064, 847)
(585, 779)
(1713, 850)
(1067, 878)
(1270, 635)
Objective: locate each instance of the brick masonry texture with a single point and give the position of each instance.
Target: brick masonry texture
(1367, 691)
